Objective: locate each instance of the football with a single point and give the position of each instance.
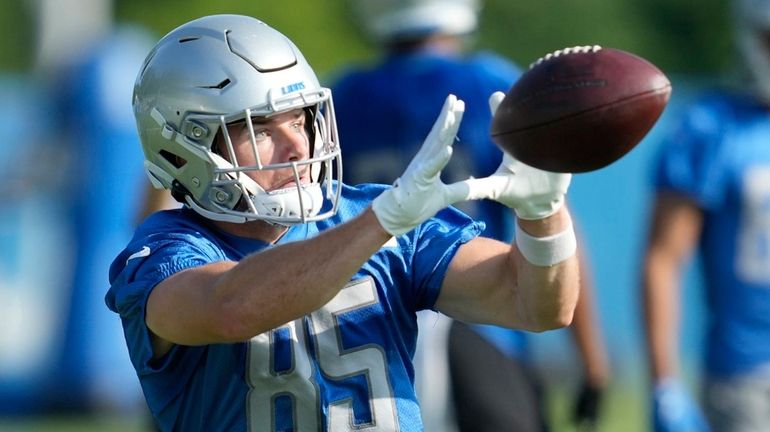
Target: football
(580, 109)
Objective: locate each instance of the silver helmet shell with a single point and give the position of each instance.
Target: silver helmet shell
(215, 71)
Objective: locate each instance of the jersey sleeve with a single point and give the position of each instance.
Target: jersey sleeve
(691, 157)
(435, 244)
(135, 273)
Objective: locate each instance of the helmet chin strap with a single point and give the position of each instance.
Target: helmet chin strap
(287, 206)
(293, 202)
(298, 201)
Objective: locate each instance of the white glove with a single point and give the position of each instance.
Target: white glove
(419, 193)
(531, 192)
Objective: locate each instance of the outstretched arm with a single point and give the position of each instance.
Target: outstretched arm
(233, 301)
(228, 301)
(533, 283)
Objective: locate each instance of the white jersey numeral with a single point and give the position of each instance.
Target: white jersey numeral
(369, 359)
(334, 361)
(752, 261)
(266, 384)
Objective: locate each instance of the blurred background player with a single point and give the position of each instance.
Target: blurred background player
(713, 196)
(424, 55)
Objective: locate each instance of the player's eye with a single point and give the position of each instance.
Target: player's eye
(260, 135)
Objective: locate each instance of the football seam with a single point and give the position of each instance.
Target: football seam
(617, 102)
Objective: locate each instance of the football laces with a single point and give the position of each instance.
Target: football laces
(565, 51)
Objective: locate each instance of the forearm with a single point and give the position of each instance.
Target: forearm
(280, 284)
(661, 316)
(547, 293)
(491, 282)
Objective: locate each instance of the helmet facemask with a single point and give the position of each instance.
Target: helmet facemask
(236, 197)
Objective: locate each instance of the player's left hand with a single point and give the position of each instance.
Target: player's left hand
(531, 192)
(587, 407)
(419, 193)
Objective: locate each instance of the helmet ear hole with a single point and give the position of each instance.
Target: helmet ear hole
(179, 192)
(175, 160)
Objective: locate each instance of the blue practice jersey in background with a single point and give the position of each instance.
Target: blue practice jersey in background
(385, 111)
(720, 157)
(350, 361)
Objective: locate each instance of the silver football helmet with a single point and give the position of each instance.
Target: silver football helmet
(391, 20)
(752, 27)
(216, 71)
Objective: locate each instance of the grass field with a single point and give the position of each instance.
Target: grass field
(623, 410)
(73, 424)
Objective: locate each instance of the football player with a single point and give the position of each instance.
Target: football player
(425, 48)
(713, 196)
(279, 298)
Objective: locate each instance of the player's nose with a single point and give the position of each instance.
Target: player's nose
(294, 144)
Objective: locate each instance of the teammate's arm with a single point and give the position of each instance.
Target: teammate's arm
(673, 236)
(676, 227)
(587, 335)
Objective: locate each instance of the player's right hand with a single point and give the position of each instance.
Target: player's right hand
(419, 193)
(674, 410)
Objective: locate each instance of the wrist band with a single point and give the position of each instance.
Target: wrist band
(546, 251)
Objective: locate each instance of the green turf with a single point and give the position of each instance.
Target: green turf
(74, 424)
(623, 409)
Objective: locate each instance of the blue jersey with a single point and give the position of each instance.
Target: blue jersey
(347, 364)
(386, 111)
(720, 157)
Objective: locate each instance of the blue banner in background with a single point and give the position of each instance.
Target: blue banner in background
(73, 186)
(36, 246)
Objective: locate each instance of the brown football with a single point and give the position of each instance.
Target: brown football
(580, 109)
